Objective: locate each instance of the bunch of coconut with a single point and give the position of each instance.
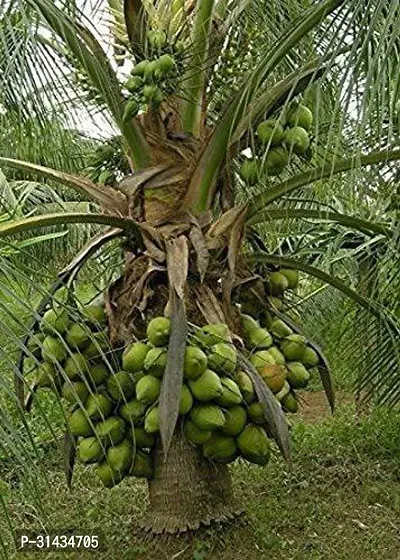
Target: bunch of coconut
(277, 140)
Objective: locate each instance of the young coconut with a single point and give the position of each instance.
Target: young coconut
(55, 320)
(254, 444)
(230, 395)
(194, 435)
(297, 140)
(246, 386)
(98, 406)
(134, 356)
(140, 438)
(220, 448)
(152, 420)
(223, 358)
(107, 476)
(120, 386)
(79, 424)
(158, 331)
(120, 456)
(148, 389)
(53, 350)
(78, 336)
(207, 417)
(235, 422)
(133, 411)
(293, 347)
(206, 387)
(261, 359)
(195, 363)
(274, 376)
(90, 450)
(155, 361)
(213, 334)
(310, 357)
(185, 401)
(270, 131)
(297, 375)
(142, 466)
(280, 329)
(277, 283)
(255, 412)
(75, 392)
(75, 366)
(111, 431)
(260, 338)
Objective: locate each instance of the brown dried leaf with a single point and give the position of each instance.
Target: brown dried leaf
(177, 263)
(199, 245)
(209, 305)
(222, 227)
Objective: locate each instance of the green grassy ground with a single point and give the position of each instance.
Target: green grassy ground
(340, 501)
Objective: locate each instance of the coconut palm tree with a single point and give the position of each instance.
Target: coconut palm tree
(198, 211)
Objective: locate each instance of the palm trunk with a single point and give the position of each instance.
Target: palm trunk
(187, 491)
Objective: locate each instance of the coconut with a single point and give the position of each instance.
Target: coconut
(34, 346)
(297, 375)
(152, 420)
(107, 476)
(260, 338)
(255, 412)
(245, 385)
(79, 424)
(248, 323)
(274, 376)
(213, 334)
(292, 276)
(98, 346)
(276, 161)
(156, 361)
(310, 357)
(261, 359)
(283, 392)
(53, 350)
(75, 366)
(47, 376)
(120, 386)
(249, 171)
(223, 358)
(134, 83)
(236, 419)
(297, 140)
(289, 403)
(254, 445)
(300, 116)
(231, 394)
(280, 329)
(142, 466)
(277, 355)
(207, 417)
(98, 406)
(148, 389)
(149, 72)
(95, 315)
(275, 302)
(270, 131)
(207, 387)
(195, 362)
(56, 320)
(134, 356)
(293, 347)
(164, 65)
(277, 283)
(78, 336)
(111, 431)
(90, 450)
(140, 438)
(220, 448)
(120, 456)
(133, 411)
(158, 331)
(157, 39)
(75, 391)
(98, 373)
(194, 435)
(186, 400)
(153, 93)
(140, 68)
(131, 110)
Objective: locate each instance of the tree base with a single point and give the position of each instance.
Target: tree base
(187, 491)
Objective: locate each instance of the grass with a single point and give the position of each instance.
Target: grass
(341, 501)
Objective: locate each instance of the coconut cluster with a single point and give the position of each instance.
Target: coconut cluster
(277, 140)
(151, 78)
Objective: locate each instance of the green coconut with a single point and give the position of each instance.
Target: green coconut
(292, 276)
(297, 375)
(270, 131)
(120, 456)
(222, 358)
(297, 140)
(213, 334)
(155, 361)
(140, 68)
(186, 400)
(95, 314)
(98, 346)
(300, 116)
(90, 450)
(274, 376)
(75, 366)
(98, 406)
(280, 329)
(206, 387)
(246, 386)
(157, 39)
(254, 445)
(277, 355)
(283, 392)
(153, 93)
(248, 323)
(293, 347)
(152, 420)
(133, 411)
(34, 346)
(131, 110)
(236, 418)
(164, 65)
(111, 431)
(277, 283)
(53, 350)
(260, 338)
(142, 466)
(249, 171)
(148, 389)
(289, 403)
(158, 331)
(78, 336)
(134, 83)
(134, 356)
(75, 391)
(107, 476)
(261, 358)
(220, 448)
(149, 73)
(207, 417)
(79, 424)
(275, 302)
(120, 386)
(231, 394)
(194, 435)
(140, 438)
(98, 373)
(195, 362)
(310, 357)
(255, 412)
(56, 320)
(48, 376)
(276, 160)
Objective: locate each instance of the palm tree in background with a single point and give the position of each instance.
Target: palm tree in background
(192, 219)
